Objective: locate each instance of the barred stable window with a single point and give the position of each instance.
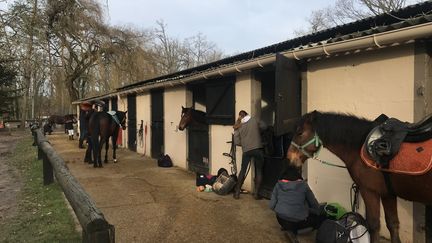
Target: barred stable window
(220, 104)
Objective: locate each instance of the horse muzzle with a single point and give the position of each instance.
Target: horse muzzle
(295, 157)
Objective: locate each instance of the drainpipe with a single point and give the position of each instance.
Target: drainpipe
(380, 40)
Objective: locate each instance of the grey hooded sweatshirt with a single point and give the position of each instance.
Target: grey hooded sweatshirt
(293, 200)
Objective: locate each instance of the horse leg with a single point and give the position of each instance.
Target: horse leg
(101, 143)
(372, 203)
(114, 146)
(106, 150)
(391, 217)
(96, 149)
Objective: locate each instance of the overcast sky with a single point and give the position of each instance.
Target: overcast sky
(234, 25)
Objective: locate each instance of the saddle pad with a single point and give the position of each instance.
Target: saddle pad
(412, 159)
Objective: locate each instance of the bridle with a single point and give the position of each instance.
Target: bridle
(314, 140)
(318, 144)
(123, 121)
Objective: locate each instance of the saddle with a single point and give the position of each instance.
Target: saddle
(411, 142)
(114, 116)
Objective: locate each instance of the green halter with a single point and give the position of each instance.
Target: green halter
(301, 148)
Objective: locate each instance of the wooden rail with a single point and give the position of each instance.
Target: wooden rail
(95, 227)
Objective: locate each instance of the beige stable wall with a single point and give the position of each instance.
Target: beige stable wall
(143, 112)
(218, 136)
(175, 140)
(365, 84)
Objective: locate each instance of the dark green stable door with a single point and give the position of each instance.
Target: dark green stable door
(131, 122)
(287, 93)
(157, 123)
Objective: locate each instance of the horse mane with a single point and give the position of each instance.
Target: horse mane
(339, 128)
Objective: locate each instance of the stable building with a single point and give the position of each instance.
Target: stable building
(376, 65)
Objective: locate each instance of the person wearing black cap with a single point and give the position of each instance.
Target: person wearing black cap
(295, 204)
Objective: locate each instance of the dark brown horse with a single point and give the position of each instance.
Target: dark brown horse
(190, 116)
(344, 136)
(102, 126)
(56, 119)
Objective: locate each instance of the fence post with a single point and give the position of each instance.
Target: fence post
(34, 138)
(40, 153)
(105, 233)
(48, 173)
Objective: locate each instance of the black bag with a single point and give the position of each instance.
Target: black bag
(351, 227)
(165, 161)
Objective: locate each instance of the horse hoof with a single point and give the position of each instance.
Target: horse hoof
(95, 166)
(100, 166)
(115, 160)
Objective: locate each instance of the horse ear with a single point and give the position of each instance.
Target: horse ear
(314, 115)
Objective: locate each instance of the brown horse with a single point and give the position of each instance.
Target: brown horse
(102, 126)
(56, 119)
(344, 136)
(190, 116)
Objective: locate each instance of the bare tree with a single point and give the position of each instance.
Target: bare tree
(173, 55)
(344, 11)
(61, 51)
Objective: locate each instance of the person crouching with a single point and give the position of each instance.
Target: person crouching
(295, 204)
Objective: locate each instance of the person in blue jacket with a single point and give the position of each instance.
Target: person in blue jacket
(295, 204)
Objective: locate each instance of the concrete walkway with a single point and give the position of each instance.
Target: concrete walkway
(147, 203)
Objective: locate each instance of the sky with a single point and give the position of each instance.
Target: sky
(235, 26)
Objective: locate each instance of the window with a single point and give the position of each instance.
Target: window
(220, 104)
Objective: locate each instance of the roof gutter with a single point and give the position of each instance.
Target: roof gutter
(380, 40)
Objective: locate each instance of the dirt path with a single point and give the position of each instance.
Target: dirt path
(151, 204)
(10, 182)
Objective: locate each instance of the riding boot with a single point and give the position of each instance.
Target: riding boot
(72, 137)
(258, 180)
(237, 189)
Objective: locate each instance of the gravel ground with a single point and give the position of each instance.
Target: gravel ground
(147, 203)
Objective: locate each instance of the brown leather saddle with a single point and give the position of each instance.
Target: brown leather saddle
(398, 146)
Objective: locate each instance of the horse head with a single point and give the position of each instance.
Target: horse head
(186, 118)
(122, 118)
(305, 143)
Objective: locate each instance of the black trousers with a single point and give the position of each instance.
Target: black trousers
(258, 156)
(312, 220)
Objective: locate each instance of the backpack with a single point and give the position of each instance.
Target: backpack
(351, 227)
(165, 161)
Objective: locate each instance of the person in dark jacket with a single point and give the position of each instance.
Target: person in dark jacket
(295, 204)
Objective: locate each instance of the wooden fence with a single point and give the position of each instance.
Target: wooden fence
(95, 228)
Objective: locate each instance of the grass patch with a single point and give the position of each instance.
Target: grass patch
(42, 213)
